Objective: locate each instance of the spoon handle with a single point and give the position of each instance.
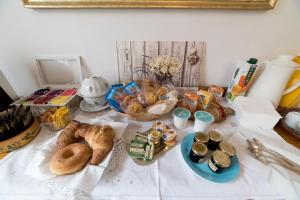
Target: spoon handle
(264, 148)
(287, 166)
(280, 156)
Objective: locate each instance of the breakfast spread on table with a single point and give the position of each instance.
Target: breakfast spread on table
(203, 149)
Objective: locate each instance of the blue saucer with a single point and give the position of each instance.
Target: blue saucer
(203, 170)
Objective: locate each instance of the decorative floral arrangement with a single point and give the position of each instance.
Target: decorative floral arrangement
(164, 67)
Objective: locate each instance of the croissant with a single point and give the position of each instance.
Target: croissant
(81, 131)
(67, 136)
(101, 140)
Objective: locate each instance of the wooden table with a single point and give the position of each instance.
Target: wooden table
(289, 137)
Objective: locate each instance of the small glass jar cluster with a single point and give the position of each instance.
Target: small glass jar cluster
(222, 151)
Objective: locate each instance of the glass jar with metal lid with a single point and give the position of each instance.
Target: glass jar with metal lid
(219, 161)
(227, 148)
(214, 139)
(201, 137)
(198, 152)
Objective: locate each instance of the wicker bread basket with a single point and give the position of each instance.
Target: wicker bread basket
(21, 139)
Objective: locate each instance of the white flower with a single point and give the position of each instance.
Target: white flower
(165, 65)
(164, 70)
(173, 70)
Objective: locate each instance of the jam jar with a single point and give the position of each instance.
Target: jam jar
(198, 152)
(201, 137)
(227, 148)
(214, 139)
(219, 161)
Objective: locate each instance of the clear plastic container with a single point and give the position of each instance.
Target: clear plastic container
(56, 119)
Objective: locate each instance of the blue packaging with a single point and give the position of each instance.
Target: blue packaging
(115, 96)
(131, 88)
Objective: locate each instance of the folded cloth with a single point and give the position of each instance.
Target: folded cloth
(82, 181)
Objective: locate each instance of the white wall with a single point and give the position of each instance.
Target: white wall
(92, 33)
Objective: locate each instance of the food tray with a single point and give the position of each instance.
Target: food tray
(203, 170)
(295, 132)
(41, 103)
(156, 156)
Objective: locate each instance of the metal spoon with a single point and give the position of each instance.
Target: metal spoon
(264, 148)
(260, 147)
(267, 160)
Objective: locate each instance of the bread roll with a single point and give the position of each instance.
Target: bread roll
(70, 159)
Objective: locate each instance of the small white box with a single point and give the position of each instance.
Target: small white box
(56, 72)
(255, 112)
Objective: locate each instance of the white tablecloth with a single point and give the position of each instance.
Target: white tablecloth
(167, 178)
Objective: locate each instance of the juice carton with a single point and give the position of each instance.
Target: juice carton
(242, 77)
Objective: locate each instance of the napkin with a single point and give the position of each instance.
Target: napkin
(82, 182)
(255, 112)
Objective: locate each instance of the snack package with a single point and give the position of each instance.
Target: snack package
(131, 88)
(148, 96)
(191, 100)
(216, 91)
(115, 97)
(205, 98)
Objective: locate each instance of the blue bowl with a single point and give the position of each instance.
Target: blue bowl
(203, 170)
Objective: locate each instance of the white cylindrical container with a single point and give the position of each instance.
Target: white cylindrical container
(202, 121)
(292, 119)
(180, 117)
(273, 78)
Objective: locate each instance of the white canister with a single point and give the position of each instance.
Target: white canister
(202, 121)
(180, 117)
(272, 79)
(292, 119)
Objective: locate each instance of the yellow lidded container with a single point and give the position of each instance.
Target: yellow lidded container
(291, 95)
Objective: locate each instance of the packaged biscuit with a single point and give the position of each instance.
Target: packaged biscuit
(205, 98)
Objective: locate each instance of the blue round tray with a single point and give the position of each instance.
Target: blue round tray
(203, 170)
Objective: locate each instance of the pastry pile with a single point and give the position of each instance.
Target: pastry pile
(136, 98)
(80, 142)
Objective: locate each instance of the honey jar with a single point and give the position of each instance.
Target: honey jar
(201, 137)
(214, 139)
(198, 152)
(227, 148)
(219, 161)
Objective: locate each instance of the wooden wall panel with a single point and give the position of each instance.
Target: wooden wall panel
(132, 56)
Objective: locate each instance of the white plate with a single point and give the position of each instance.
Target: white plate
(91, 108)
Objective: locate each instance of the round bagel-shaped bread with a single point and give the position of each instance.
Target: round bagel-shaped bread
(70, 159)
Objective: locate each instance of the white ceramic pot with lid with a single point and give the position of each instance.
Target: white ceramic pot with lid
(93, 90)
(272, 79)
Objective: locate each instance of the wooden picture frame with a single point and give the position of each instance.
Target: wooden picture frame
(207, 4)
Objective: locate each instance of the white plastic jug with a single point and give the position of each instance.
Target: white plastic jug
(273, 78)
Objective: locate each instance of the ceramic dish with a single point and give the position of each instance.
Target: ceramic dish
(91, 108)
(203, 170)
